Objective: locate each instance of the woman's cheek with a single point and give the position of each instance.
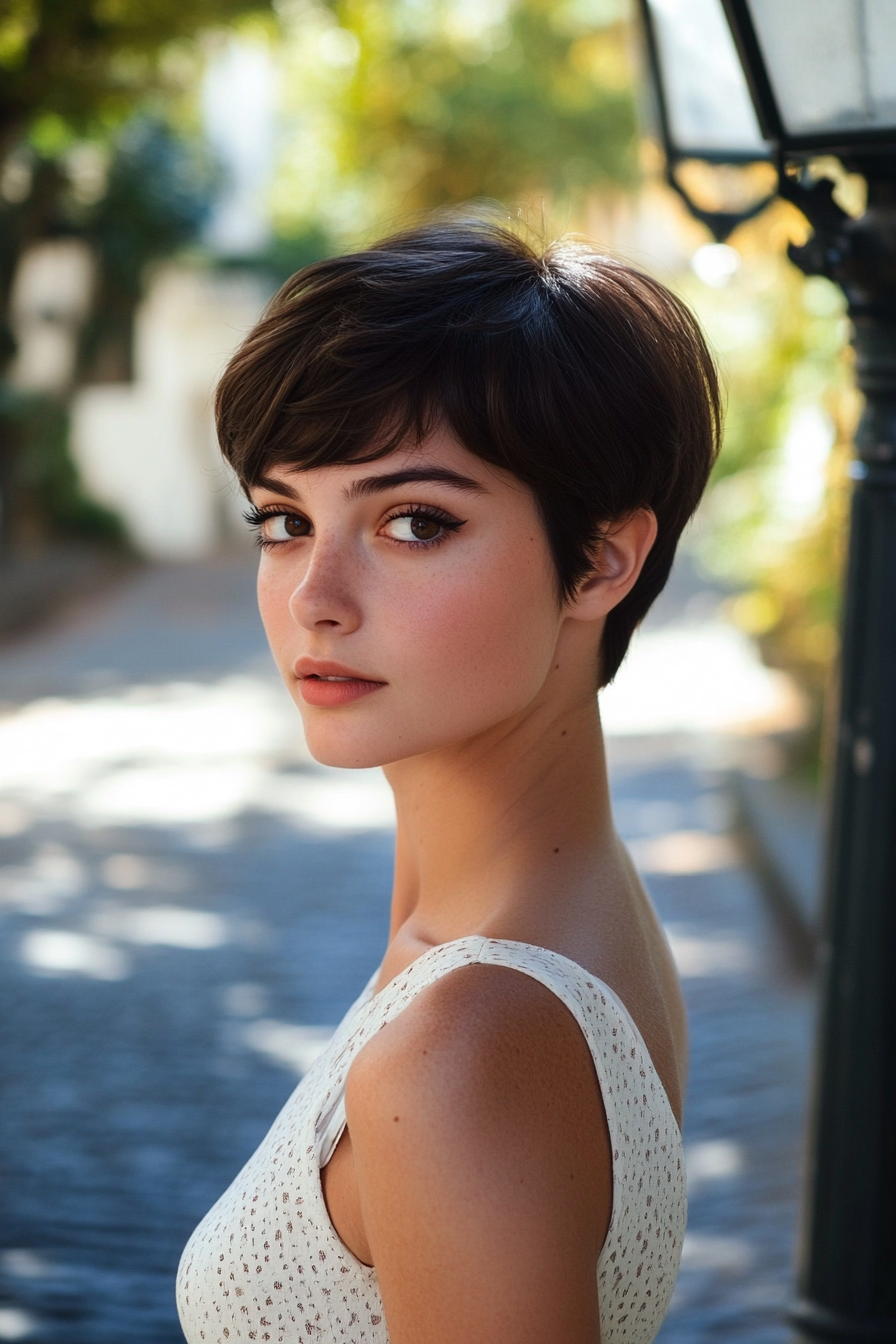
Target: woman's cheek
(490, 636)
(274, 592)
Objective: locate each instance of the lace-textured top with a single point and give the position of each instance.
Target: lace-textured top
(266, 1264)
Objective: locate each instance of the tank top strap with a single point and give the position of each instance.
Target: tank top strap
(623, 1065)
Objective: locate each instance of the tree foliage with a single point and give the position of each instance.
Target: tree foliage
(158, 194)
(774, 522)
(91, 62)
(399, 106)
(73, 73)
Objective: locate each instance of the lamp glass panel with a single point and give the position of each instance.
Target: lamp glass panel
(831, 63)
(708, 105)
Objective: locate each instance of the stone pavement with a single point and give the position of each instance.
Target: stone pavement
(187, 902)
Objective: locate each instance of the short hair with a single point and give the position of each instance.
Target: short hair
(586, 379)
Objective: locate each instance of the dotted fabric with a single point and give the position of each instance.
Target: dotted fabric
(266, 1264)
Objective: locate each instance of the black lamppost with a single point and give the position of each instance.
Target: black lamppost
(822, 75)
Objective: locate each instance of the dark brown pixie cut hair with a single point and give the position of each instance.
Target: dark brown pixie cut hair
(587, 380)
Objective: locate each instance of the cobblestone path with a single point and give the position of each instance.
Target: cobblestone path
(187, 903)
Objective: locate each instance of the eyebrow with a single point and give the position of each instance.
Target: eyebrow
(374, 485)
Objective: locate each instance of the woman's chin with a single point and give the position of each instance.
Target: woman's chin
(354, 750)
(348, 751)
(345, 758)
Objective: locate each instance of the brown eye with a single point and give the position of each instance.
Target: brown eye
(284, 527)
(423, 528)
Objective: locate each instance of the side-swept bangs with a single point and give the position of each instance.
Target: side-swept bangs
(587, 380)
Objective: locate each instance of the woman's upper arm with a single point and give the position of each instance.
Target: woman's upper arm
(483, 1165)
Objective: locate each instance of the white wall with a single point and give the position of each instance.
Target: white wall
(50, 299)
(148, 448)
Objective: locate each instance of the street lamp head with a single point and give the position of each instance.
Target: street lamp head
(703, 104)
(701, 101)
(821, 72)
(741, 81)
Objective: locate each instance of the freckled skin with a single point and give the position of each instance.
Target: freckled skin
(486, 722)
(424, 621)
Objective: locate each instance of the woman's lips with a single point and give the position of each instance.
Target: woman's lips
(332, 691)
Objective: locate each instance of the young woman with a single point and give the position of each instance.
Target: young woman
(470, 463)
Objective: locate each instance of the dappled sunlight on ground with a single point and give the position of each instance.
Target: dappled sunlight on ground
(17, 1324)
(684, 852)
(61, 952)
(284, 1043)
(715, 956)
(177, 754)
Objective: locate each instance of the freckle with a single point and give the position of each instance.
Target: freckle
(563, 734)
(556, 851)
(395, 1117)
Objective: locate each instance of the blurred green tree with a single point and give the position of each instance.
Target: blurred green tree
(76, 69)
(75, 159)
(396, 106)
(774, 520)
(159, 193)
(151, 191)
(91, 62)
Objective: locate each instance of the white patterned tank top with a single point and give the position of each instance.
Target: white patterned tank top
(266, 1264)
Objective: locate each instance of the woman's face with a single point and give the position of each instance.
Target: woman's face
(410, 603)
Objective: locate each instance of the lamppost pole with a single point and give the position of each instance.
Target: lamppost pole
(847, 1286)
(821, 76)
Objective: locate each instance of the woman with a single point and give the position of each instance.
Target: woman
(470, 463)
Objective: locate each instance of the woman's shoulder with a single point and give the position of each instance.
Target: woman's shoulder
(477, 1003)
(475, 1054)
(483, 1019)
(481, 1098)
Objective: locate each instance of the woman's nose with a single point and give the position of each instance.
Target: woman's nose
(327, 593)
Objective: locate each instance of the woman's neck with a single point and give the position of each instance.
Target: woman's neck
(504, 834)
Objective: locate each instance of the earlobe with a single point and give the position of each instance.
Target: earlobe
(623, 549)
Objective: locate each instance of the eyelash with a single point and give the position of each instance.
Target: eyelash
(446, 521)
(257, 518)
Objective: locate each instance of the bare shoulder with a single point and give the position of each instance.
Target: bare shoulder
(483, 1163)
(472, 1034)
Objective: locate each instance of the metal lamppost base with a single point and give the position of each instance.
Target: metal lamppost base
(813, 1322)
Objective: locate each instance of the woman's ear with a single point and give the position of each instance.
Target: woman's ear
(620, 559)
